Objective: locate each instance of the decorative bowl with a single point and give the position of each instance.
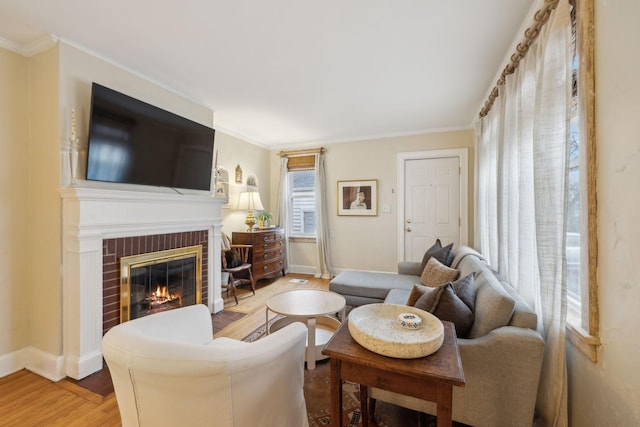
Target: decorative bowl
(377, 328)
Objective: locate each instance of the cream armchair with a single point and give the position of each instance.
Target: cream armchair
(167, 370)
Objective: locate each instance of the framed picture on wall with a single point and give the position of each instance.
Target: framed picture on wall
(358, 198)
(252, 182)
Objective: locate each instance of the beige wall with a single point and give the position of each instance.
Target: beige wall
(44, 204)
(607, 393)
(37, 95)
(14, 199)
(253, 160)
(370, 243)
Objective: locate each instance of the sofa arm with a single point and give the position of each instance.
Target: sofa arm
(502, 371)
(409, 268)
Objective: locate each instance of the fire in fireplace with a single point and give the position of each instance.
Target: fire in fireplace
(159, 281)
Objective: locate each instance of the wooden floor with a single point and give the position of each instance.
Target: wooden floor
(27, 399)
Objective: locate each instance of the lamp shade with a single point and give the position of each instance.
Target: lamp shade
(249, 201)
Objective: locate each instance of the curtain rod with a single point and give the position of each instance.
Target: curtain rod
(302, 152)
(530, 35)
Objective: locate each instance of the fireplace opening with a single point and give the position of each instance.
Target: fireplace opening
(160, 281)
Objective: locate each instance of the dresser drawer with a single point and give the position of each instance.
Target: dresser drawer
(259, 248)
(268, 237)
(261, 270)
(262, 257)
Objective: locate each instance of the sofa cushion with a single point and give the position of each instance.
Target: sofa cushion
(370, 284)
(523, 316)
(453, 302)
(443, 254)
(494, 306)
(436, 273)
(398, 296)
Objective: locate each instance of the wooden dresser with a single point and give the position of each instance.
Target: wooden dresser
(267, 252)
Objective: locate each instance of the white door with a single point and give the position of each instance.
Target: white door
(431, 204)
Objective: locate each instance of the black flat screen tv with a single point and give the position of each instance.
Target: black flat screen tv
(133, 142)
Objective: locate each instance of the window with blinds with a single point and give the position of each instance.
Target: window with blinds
(302, 196)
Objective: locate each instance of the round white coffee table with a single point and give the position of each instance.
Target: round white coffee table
(313, 307)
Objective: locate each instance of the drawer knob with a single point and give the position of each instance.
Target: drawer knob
(265, 256)
(264, 268)
(266, 238)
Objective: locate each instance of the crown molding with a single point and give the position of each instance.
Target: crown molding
(32, 48)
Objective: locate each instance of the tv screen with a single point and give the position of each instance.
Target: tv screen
(133, 142)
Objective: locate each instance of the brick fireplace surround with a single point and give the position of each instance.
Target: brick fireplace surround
(114, 249)
(96, 220)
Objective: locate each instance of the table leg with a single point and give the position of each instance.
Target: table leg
(311, 343)
(266, 323)
(444, 397)
(336, 393)
(364, 405)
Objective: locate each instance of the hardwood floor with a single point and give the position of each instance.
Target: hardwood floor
(27, 399)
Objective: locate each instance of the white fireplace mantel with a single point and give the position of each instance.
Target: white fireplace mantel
(91, 215)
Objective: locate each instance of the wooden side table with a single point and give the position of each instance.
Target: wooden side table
(430, 378)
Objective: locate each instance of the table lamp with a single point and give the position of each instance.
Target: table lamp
(249, 201)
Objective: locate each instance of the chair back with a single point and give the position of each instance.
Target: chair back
(167, 370)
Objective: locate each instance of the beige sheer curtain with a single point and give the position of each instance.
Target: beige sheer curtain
(282, 212)
(521, 194)
(323, 268)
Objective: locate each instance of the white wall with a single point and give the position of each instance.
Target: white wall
(370, 243)
(607, 393)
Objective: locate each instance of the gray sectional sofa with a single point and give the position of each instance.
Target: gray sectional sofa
(501, 356)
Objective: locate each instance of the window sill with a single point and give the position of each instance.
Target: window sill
(583, 341)
(302, 239)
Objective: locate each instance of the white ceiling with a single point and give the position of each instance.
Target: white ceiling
(289, 72)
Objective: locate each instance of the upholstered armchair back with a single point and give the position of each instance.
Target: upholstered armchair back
(167, 370)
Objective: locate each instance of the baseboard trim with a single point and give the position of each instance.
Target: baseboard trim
(44, 364)
(302, 269)
(12, 362)
(78, 368)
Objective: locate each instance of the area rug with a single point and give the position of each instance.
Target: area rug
(317, 394)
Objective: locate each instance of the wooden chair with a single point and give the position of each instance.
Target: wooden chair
(236, 276)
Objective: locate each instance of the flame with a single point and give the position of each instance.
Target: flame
(162, 295)
(161, 292)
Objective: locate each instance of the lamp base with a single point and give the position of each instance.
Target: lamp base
(250, 221)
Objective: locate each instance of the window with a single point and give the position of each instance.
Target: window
(581, 245)
(302, 197)
(574, 228)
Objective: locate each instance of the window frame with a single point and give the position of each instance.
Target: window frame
(586, 337)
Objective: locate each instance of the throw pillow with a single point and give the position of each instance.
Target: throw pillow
(233, 259)
(416, 292)
(465, 289)
(453, 302)
(436, 273)
(443, 254)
